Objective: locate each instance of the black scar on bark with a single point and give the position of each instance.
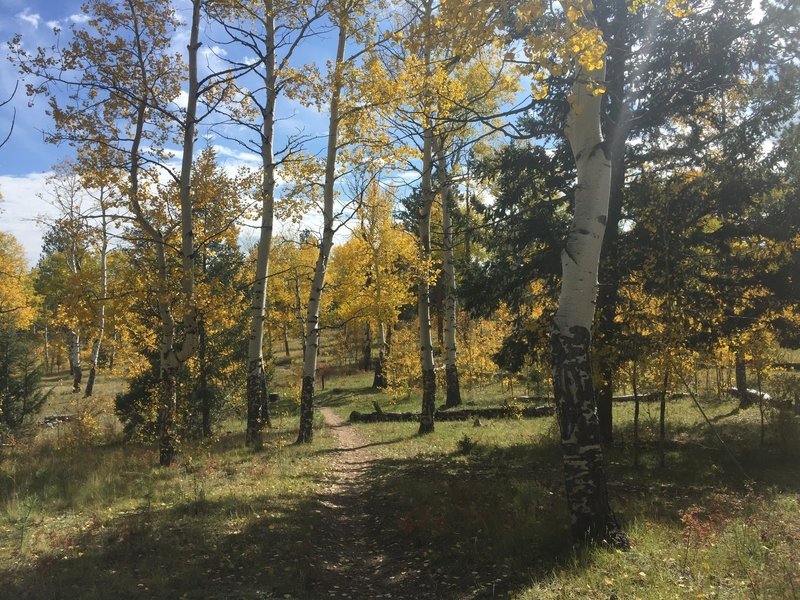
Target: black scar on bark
(306, 433)
(585, 478)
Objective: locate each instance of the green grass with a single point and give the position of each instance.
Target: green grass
(489, 514)
(483, 506)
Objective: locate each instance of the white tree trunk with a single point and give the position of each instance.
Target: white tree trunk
(311, 348)
(448, 268)
(585, 478)
(75, 359)
(426, 424)
(257, 404)
(101, 317)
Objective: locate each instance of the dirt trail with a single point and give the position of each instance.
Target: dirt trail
(351, 561)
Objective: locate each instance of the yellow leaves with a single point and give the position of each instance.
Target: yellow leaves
(709, 224)
(18, 302)
(675, 8)
(678, 8)
(540, 92)
(573, 14)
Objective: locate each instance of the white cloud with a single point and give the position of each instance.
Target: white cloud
(31, 18)
(756, 12)
(182, 100)
(22, 207)
(53, 24)
(79, 18)
(241, 156)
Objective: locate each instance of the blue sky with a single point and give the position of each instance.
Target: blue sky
(26, 159)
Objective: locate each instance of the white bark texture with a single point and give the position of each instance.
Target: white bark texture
(256, 403)
(311, 348)
(581, 258)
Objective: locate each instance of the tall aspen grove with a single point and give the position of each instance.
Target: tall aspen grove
(400, 299)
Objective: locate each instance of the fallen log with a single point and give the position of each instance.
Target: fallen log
(464, 414)
(753, 395)
(649, 397)
(54, 420)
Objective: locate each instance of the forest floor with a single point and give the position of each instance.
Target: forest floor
(377, 511)
(351, 559)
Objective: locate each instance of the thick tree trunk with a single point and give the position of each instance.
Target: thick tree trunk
(312, 337)
(306, 433)
(257, 404)
(453, 397)
(591, 516)
(89, 390)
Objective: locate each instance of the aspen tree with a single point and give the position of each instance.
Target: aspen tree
(271, 31)
(357, 148)
(123, 81)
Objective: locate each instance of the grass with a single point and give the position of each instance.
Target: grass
(483, 506)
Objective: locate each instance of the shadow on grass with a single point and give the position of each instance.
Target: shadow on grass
(486, 524)
(334, 397)
(355, 448)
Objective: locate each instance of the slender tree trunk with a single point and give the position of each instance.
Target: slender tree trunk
(761, 406)
(75, 360)
(112, 354)
(47, 364)
(662, 422)
(590, 511)
(312, 339)
(379, 382)
(449, 272)
(426, 424)
(203, 387)
(367, 354)
(257, 401)
(286, 339)
(616, 126)
(173, 356)
(170, 356)
(298, 308)
(740, 370)
(101, 321)
(634, 383)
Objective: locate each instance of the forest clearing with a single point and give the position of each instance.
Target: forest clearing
(400, 299)
(474, 512)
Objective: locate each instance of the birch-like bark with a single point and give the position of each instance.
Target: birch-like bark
(172, 356)
(379, 381)
(257, 402)
(586, 486)
(312, 340)
(75, 359)
(367, 348)
(426, 424)
(101, 317)
(448, 268)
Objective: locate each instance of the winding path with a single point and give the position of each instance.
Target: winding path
(350, 560)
